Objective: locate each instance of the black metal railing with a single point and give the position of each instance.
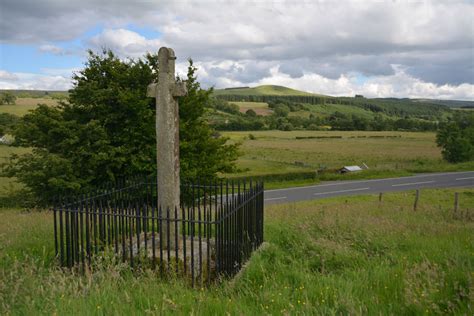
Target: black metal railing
(212, 234)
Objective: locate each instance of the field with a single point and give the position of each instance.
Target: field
(7, 185)
(326, 257)
(261, 108)
(23, 105)
(385, 153)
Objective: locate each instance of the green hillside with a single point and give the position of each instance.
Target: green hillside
(263, 90)
(282, 108)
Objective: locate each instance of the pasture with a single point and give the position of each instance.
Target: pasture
(261, 108)
(23, 105)
(347, 255)
(385, 153)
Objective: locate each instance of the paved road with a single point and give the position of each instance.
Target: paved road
(338, 188)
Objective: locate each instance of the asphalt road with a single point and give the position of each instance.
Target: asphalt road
(340, 188)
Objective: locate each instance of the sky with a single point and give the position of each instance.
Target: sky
(415, 49)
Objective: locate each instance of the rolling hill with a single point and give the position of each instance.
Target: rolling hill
(268, 90)
(277, 107)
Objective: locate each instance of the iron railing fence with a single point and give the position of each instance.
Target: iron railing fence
(212, 233)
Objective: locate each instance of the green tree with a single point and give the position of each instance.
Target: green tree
(106, 131)
(251, 113)
(7, 98)
(457, 138)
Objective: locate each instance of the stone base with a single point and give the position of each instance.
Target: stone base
(195, 251)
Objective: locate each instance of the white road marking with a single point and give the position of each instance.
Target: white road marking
(341, 191)
(459, 179)
(367, 181)
(413, 183)
(277, 198)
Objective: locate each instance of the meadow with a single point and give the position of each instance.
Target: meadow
(23, 105)
(346, 255)
(385, 153)
(260, 108)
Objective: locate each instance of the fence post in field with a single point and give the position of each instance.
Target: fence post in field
(166, 92)
(456, 203)
(380, 197)
(417, 197)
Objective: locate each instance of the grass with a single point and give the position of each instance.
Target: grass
(348, 255)
(23, 105)
(9, 187)
(264, 90)
(386, 153)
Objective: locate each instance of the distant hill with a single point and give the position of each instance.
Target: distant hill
(450, 103)
(263, 90)
(36, 93)
(277, 107)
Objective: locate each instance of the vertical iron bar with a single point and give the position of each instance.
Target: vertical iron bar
(192, 232)
(55, 231)
(68, 246)
(88, 233)
(183, 213)
(176, 245)
(81, 224)
(130, 232)
(168, 244)
(160, 217)
(61, 232)
(199, 232)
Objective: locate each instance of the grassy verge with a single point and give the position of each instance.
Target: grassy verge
(347, 255)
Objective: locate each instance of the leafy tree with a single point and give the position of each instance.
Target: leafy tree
(106, 131)
(7, 98)
(251, 113)
(457, 138)
(8, 122)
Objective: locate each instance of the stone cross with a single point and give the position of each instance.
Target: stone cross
(166, 91)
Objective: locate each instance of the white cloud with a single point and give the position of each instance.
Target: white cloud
(48, 48)
(124, 42)
(312, 45)
(7, 76)
(31, 81)
(399, 85)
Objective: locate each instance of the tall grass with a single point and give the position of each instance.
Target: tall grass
(335, 256)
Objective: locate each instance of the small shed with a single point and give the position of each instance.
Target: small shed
(346, 169)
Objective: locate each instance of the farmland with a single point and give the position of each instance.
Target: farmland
(260, 108)
(23, 105)
(334, 256)
(385, 153)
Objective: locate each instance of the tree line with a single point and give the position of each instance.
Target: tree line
(388, 106)
(282, 120)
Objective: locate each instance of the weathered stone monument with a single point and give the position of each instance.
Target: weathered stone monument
(166, 91)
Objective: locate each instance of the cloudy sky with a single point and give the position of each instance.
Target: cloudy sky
(422, 49)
